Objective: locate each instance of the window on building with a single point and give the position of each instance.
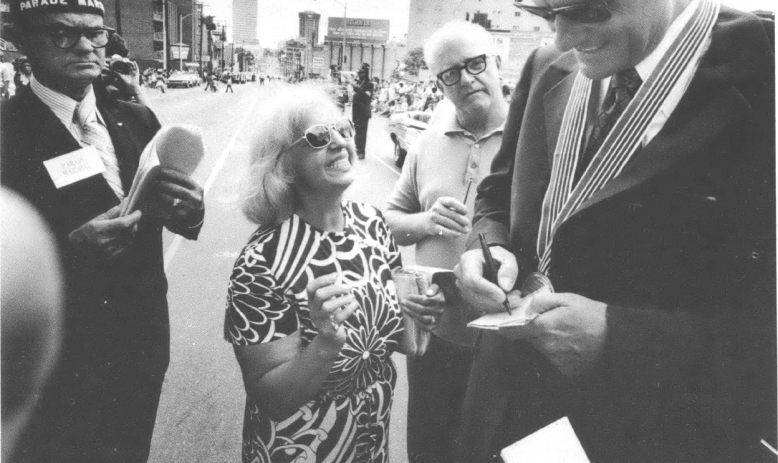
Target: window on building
(517, 14)
(536, 28)
(467, 16)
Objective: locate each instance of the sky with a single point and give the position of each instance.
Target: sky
(278, 18)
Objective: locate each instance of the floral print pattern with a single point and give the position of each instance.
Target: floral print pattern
(348, 421)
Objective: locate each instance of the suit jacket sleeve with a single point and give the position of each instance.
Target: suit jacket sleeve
(493, 199)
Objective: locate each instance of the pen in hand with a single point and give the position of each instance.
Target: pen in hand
(490, 272)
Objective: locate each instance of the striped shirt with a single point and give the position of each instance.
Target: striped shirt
(64, 107)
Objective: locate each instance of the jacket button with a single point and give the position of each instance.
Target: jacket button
(635, 206)
(711, 199)
(755, 256)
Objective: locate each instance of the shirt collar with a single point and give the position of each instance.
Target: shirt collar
(450, 125)
(60, 104)
(650, 62)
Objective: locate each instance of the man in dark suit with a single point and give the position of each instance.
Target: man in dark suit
(360, 107)
(73, 152)
(636, 173)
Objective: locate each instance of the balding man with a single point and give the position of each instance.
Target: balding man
(637, 174)
(72, 151)
(431, 206)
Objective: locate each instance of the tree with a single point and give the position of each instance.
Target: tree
(414, 61)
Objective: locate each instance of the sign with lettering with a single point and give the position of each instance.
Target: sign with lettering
(358, 30)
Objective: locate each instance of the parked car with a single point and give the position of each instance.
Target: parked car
(404, 128)
(182, 79)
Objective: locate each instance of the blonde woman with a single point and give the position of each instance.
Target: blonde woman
(312, 311)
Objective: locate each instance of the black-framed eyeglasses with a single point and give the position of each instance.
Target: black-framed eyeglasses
(590, 12)
(473, 66)
(66, 37)
(320, 135)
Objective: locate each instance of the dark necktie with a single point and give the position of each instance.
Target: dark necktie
(624, 85)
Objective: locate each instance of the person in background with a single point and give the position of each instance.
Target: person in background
(101, 402)
(312, 311)
(431, 208)
(360, 107)
(22, 76)
(228, 81)
(637, 178)
(6, 76)
(121, 77)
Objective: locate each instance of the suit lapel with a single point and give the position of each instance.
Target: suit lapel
(709, 108)
(555, 100)
(54, 139)
(123, 143)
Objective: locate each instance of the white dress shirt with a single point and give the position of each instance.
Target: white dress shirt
(647, 66)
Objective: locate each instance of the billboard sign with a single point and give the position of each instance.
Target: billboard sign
(179, 51)
(358, 30)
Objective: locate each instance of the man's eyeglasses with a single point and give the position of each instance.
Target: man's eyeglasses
(587, 12)
(66, 37)
(473, 66)
(320, 135)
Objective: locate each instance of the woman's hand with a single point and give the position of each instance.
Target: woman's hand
(331, 303)
(425, 308)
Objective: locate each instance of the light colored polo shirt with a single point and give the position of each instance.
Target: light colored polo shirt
(441, 162)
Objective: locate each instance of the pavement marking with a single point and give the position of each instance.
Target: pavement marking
(173, 249)
(392, 169)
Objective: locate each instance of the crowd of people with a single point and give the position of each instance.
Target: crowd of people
(620, 205)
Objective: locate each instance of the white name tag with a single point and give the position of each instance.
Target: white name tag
(74, 166)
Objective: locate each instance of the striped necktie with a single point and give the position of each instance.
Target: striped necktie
(624, 85)
(95, 134)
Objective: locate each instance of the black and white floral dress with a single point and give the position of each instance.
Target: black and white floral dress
(348, 420)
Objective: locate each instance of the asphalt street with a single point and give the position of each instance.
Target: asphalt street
(200, 415)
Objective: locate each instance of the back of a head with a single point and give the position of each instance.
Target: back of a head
(32, 294)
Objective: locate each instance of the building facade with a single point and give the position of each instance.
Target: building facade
(140, 23)
(244, 23)
(8, 49)
(309, 27)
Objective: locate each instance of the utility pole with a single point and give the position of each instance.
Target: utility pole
(164, 35)
(118, 17)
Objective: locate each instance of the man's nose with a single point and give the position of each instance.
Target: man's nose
(465, 78)
(83, 44)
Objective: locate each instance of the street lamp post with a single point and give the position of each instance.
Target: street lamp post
(181, 39)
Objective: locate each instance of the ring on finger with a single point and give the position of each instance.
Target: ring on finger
(335, 326)
(176, 202)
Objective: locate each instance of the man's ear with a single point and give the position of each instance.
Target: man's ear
(498, 61)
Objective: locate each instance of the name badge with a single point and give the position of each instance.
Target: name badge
(74, 166)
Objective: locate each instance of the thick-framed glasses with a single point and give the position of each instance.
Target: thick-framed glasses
(320, 135)
(473, 66)
(66, 37)
(586, 12)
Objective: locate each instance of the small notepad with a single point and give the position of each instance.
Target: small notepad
(556, 443)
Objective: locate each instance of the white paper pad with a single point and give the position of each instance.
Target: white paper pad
(176, 146)
(518, 317)
(556, 443)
